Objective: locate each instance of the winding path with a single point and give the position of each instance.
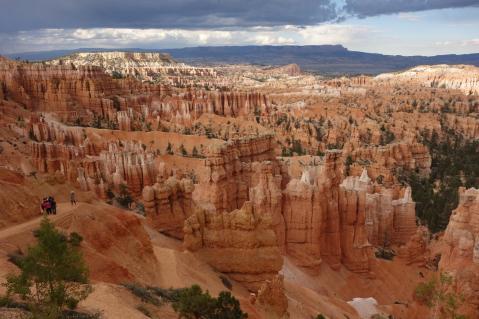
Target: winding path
(63, 209)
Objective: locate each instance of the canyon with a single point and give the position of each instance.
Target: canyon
(290, 185)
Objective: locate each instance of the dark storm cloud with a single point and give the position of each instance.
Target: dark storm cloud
(366, 8)
(18, 15)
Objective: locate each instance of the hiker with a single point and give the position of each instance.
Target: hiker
(72, 198)
(53, 205)
(48, 206)
(43, 205)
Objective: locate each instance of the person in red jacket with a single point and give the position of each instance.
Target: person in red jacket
(43, 205)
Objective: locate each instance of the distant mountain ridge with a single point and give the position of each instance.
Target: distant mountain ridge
(324, 59)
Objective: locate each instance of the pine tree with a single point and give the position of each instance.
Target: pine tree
(53, 274)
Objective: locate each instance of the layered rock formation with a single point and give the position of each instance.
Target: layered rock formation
(240, 243)
(117, 248)
(272, 299)
(356, 250)
(461, 258)
(168, 204)
(141, 65)
(389, 214)
(459, 77)
(311, 213)
(385, 161)
(416, 250)
(86, 95)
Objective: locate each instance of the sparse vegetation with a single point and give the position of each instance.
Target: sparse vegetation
(454, 164)
(347, 164)
(124, 198)
(193, 303)
(169, 149)
(183, 150)
(438, 294)
(384, 253)
(190, 303)
(226, 282)
(53, 275)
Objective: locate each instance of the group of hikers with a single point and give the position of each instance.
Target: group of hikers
(49, 205)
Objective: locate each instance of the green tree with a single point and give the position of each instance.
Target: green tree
(227, 307)
(124, 198)
(169, 149)
(183, 150)
(195, 152)
(438, 294)
(193, 303)
(349, 161)
(53, 274)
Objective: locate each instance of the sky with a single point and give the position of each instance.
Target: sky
(405, 27)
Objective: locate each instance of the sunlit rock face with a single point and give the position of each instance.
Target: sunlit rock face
(145, 66)
(459, 77)
(461, 257)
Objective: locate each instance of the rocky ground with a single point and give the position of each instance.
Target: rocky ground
(287, 184)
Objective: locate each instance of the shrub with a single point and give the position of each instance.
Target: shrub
(286, 152)
(183, 150)
(52, 275)
(124, 198)
(384, 253)
(227, 307)
(193, 303)
(143, 293)
(75, 239)
(169, 149)
(194, 152)
(144, 310)
(170, 294)
(347, 164)
(438, 294)
(226, 282)
(116, 75)
(297, 148)
(16, 257)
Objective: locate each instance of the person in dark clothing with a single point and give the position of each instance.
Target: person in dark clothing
(73, 200)
(48, 207)
(43, 205)
(53, 205)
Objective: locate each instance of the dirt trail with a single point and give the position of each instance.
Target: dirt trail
(63, 209)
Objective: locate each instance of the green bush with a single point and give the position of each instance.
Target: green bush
(226, 282)
(169, 149)
(438, 294)
(124, 198)
(437, 195)
(384, 253)
(52, 275)
(193, 303)
(144, 310)
(143, 293)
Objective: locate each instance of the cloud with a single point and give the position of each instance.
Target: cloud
(17, 15)
(409, 17)
(472, 42)
(21, 15)
(50, 39)
(367, 8)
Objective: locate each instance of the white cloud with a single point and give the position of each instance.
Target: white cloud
(409, 17)
(472, 42)
(333, 34)
(49, 39)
